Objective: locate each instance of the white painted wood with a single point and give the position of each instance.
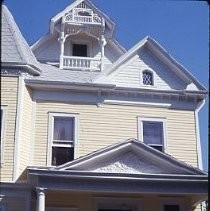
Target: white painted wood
(129, 74)
(40, 199)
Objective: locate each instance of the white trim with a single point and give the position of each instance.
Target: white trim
(117, 203)
(121, 102)
(152, 119)
(197, 129)
(3, 131)
(50, 133)
(19, 116)
(33, 125)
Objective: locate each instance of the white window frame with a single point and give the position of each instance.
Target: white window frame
(3, 128)
(152, 119)
(153, 76)
(116, 203)
(172, 201)
(50, 134)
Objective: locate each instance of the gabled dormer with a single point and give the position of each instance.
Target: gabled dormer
(79, 34)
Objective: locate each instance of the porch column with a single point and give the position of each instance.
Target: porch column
(40, 206)
(62, 40)
(102, 43)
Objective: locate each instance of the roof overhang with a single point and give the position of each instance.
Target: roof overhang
(58, 85)
(117, 182)
(27, 68)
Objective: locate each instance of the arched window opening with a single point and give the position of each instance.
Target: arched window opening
(148, 78)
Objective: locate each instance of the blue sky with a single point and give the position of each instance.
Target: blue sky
(181, 27)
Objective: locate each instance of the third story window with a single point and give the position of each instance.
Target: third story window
(147, 78)
(79, 50)
(63, 140)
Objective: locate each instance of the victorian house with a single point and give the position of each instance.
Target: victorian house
(89, 126)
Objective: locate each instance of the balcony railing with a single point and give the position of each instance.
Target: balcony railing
(83, 63)
(79, 15)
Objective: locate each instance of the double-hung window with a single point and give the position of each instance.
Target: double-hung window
(152, 132)
(62, 138)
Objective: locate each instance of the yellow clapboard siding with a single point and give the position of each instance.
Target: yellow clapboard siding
(108, 124)
(9, 92)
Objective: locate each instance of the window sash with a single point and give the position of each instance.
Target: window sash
(60, 144)
(158, 142)
(153, 132)
(63, 128)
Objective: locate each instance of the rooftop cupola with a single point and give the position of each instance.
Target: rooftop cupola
(78, 25)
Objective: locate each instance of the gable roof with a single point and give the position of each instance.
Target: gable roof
(56, 18)
(161, 53)
(15, 50)
(133, 157)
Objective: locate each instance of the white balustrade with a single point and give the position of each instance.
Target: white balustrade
(83, 15)
(84, 63)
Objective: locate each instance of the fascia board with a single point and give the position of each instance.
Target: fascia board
(33, 70)
(136, 146)
(183, 73)
(40, 84)
(159, 91)
(96, 175)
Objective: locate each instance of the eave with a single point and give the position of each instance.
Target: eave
(102, 182)
(28, 68)
(58, 85)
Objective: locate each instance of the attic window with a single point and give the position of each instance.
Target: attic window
(84, 13)
(147, 77)
(79, 50)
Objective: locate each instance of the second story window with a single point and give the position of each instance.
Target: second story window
(63, 137)
(79, 50)
(152, 132)
(147, 78)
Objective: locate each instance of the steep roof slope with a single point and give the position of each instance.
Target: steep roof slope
(15, 50)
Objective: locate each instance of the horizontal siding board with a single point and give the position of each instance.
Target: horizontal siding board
(9, 92)
(109, 124)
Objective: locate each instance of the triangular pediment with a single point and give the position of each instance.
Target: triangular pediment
(168, 74)
(83, 6)
(129, 157)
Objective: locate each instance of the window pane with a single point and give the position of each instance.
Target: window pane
(171, 207)
(147, 78)
(63, 128)
(80, 50)
(153, 132)
(61, 155)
